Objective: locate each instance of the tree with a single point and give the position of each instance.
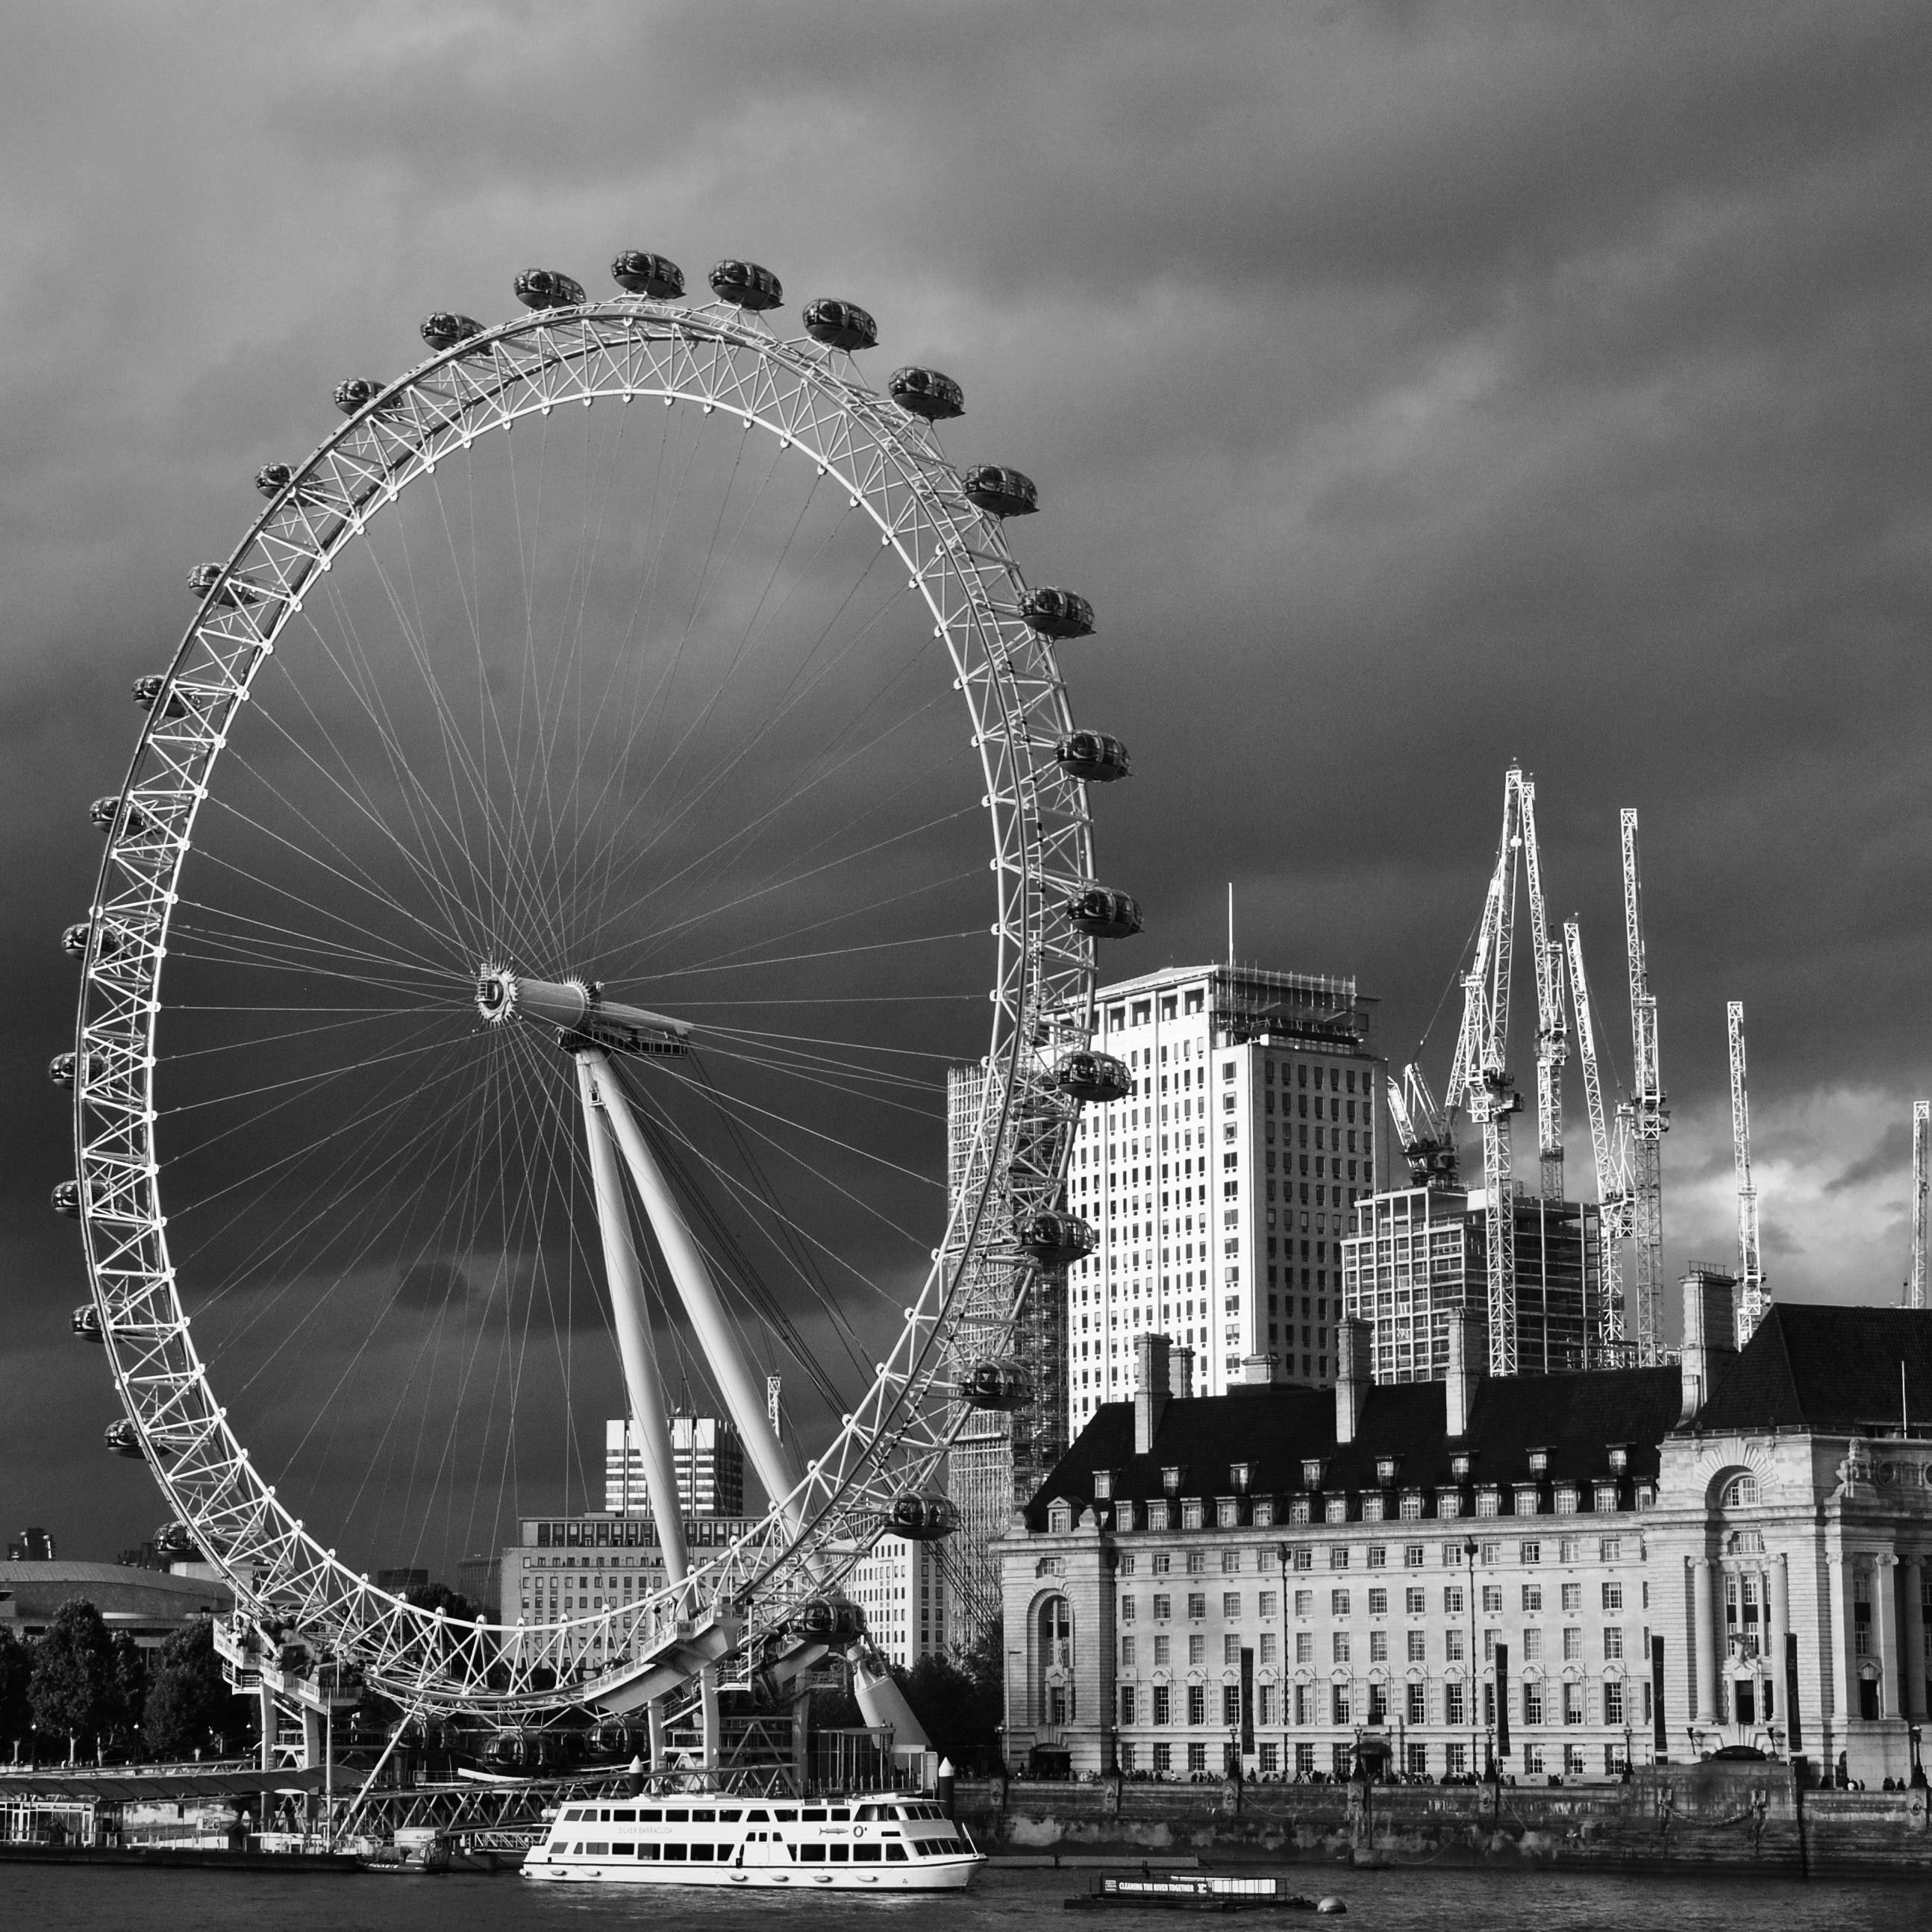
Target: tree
(960, 1700)
(72, 1690)
(457, 1607)
(16, 1666)
(189, 1704)
(131, 1684)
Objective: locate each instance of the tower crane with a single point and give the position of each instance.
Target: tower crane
(1921, 1152)
(1753, 1300)
(1481, 1077)
(1423, 1132)
(1650, 1117)
(1553, 1035)
(1610, 1144)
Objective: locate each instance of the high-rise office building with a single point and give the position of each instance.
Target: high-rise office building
(1418, 1255)
(1222, 1186)
(707, 1454)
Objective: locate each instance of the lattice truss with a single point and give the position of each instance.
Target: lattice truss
(956, 556)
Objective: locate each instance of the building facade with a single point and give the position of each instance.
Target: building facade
(707, 1456)
(563, 1567)
(901, 1588)
(1222, 1187)
(1416, 1255)
(1572, 1571)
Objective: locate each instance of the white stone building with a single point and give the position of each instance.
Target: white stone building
(1222, 1187)
(1572, 1571)
(707, 1458)
(899, 1585)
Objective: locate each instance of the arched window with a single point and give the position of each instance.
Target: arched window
(1740, 1493)
(1056, 1661)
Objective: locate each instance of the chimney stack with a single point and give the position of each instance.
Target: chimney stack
(1152, 1390)
(1180, 1372)
(1468, 1355)
(1710, 1332)
(1353, 1347)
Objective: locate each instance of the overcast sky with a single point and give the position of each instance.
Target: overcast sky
(1410, 389)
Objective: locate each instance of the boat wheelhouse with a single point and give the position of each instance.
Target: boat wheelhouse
(889, 1841)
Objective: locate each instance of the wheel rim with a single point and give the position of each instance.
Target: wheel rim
(724, 362)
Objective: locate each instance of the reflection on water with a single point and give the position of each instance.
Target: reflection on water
(48, 1899)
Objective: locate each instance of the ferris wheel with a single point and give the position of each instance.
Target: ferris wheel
(552, 880)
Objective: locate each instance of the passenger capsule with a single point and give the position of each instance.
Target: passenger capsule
(1057, 614)
(840, 324)
(357, 393)
(86, 1323)
(546, 288)
(925, 392)
(922, 1519)
(64, 1068)
(135, 823)
(1093, 756)
(272, 479)
(1054, 1237)
(206, 581)
(1094, 1078)
(650, 275)
(73, 938)
(1103, 914)
(832, 1618)
(1000, 492)
(176, 1541)
(66, 1199)
(149, 687)
(443, 330)
(747, 285)
(998, 1385)
(123, 1439)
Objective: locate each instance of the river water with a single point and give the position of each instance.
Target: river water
(48, 1898)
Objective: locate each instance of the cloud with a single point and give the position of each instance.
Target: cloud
(1410, 390)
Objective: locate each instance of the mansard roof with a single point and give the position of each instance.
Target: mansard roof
(1576, 1419)
(1822, 1366)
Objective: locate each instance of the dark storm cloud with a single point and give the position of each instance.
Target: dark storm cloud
(1410, 389)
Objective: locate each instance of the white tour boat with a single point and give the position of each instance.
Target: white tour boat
(889, 1841)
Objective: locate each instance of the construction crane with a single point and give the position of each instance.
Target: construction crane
(1753, 1300)
(1649, 1119)
(1611, 1147)
(1479, 1077)
(1921, 1135)
(1552, 1035)
(1423, 1132)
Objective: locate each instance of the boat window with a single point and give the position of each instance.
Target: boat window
(651, 1817)
(677, 1817)
(623, 1817)
(865, 1855)
(895, 1855)
(700, 1852)
(674, 1851)
(597, 1851)
(841, 1817)
(647, 1851)
(868, 1811)
(619, 1850)
(840, 1853)
(813, 1817)
(576, 1817)
(727, 1817)
(702, 1817)
(604, 1817)
(811, 1855)
(759, 1817)
(784, 1817)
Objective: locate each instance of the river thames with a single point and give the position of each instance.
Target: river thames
(52, 1899)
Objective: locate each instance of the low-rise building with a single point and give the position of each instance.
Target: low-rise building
(1572, 1571)
(900, 1586)
(150, 1605)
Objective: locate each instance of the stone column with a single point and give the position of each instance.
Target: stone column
(1703, 1583)
(1844, 1673)
(1884, 1601)
(1912, 1650)
(1778, 1622)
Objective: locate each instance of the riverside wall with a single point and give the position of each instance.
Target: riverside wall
(1748, 1816)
